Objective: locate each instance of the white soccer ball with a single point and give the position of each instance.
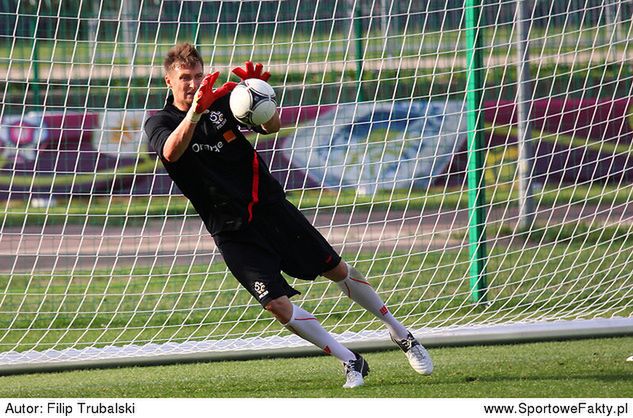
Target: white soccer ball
(253, 102)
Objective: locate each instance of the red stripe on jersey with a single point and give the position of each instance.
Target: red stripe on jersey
(360, 281)
(327, 349)
(328, 259)
(255, 191)
(384, 311)
(305, 319)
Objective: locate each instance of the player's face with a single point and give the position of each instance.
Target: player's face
(184, 82)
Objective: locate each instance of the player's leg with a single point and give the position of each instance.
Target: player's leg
(305, 325)
(256, 266)
(307, 254)
(356, 287)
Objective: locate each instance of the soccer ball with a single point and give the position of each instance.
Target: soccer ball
(253, 102)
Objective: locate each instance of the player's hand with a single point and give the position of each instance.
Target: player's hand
(206, 96)
(251, 71)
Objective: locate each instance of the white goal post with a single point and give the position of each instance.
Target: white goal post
(103, 262)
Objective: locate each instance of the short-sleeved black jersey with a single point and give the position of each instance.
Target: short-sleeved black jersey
(220, 172)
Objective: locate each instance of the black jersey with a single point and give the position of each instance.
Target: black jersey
(220, 172)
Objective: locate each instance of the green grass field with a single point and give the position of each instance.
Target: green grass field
(200, 302)
(581, 368)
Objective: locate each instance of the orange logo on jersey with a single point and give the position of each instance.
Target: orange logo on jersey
(229, 136)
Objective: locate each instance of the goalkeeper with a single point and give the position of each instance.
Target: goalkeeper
(259, 233)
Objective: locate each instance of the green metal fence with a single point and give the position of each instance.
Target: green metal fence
(66, 35)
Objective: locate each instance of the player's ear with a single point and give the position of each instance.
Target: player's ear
(168, 80)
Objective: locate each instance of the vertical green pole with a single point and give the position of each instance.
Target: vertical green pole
(476, 196)
(358, 30)
(622, 22)
(196, 35)
(36, 62)
(628, 63)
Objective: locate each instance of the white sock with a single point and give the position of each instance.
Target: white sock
(356, 287)
(306, 326)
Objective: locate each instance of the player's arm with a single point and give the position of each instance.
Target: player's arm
(178, 141)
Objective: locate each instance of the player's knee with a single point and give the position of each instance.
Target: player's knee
(281, 308)
(352, 272)
(338, 273)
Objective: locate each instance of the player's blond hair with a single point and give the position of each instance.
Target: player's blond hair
(183, 54)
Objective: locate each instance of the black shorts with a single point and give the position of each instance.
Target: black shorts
(278, 239)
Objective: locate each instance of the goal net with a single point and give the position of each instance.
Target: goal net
(103, 260)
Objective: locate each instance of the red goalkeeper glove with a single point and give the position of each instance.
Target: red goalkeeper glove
(206, 96)
(251, 71)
